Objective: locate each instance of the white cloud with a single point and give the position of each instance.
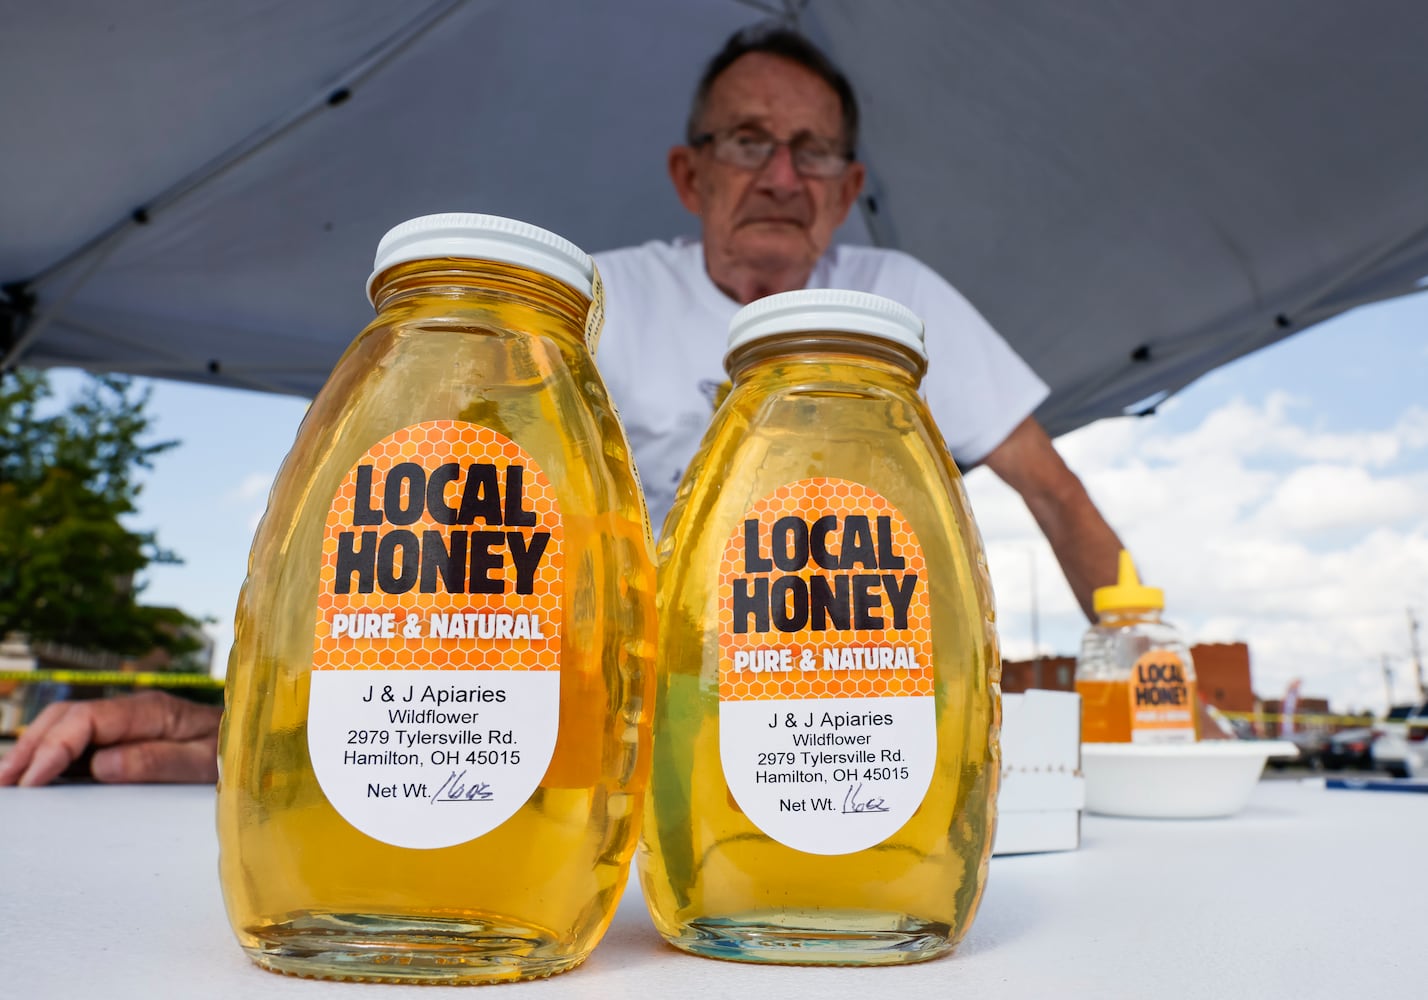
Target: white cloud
(255, 484)
(1317, 498)
(251, 494)
(1240, 429)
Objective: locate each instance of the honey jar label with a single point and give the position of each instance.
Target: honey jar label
(827, 725)
(435, 697)
(595, 315)
(1162, 699)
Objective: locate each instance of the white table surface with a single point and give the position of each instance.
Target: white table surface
(1310, 892)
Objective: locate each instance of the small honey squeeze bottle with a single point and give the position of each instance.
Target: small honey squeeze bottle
(434, 749)
(1134, 673)
(825, 763)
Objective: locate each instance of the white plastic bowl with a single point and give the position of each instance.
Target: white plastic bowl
(1175, 780)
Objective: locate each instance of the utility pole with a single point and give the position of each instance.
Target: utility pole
(1388, 683)
(1417, 655)
(1035, 624)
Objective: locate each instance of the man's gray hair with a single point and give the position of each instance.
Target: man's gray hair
(775, 40)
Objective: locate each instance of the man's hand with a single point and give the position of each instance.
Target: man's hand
(148, 737)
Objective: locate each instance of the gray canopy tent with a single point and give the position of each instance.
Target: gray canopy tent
(1132, 191)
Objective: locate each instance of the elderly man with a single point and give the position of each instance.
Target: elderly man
(768, 168)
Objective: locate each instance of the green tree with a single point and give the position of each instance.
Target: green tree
(67, 476)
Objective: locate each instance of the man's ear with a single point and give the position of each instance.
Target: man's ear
(684, 172)
(850, 186)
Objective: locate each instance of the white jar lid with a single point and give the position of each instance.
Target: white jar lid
(828, 309)
(483, 237)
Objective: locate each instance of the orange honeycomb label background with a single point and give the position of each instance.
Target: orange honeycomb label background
(812, 499)
(432, 444)
(1165, 716)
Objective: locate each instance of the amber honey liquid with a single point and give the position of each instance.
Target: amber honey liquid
(307, 892)
(1105, 711)
(715, 883)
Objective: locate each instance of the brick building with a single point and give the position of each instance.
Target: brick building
(1056, 673)
(1222, 675)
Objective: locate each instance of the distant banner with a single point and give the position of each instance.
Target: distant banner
(1291, 702)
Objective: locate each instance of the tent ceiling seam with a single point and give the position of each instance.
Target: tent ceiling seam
(1238, 253)
(1323, 295)
(130, 342)
(1326, 310)
(50, 310)
(331, 96)
(235, 378)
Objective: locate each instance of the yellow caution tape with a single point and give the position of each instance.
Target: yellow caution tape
(113, 678)
(1305, 718)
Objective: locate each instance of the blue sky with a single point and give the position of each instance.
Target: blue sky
(1281, 501)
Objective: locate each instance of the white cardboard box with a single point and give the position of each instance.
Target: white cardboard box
(1042, 791)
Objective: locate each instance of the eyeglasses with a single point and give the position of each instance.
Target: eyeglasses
(750, 148)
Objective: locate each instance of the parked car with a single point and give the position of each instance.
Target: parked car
(1350, 748)
(1310, 743)
(1401, 748)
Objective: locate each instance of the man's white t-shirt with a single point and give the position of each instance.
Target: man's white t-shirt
(667, 328)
